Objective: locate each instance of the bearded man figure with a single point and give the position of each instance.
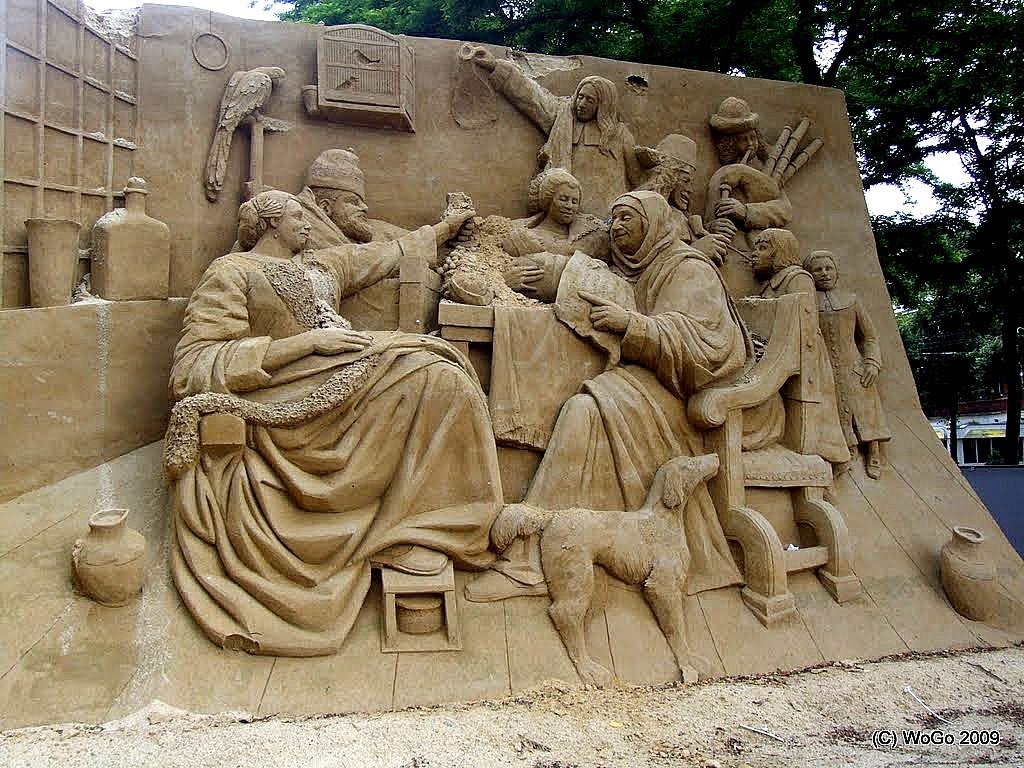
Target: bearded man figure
(334, 201)
(334, 206)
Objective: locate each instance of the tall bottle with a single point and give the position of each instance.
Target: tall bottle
(131, 250)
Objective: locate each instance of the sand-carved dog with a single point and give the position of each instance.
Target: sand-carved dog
(647, 546)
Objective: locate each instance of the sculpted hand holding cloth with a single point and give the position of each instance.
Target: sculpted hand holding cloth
(610, 440)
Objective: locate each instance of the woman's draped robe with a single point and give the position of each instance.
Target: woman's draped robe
(610, 440)
(272, 544)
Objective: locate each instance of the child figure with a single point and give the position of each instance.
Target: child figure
(856, 360)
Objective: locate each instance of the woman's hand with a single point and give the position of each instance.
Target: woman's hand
(320, 341)
(606, 315)
(520, 243)
(336, 341)
(522, 276)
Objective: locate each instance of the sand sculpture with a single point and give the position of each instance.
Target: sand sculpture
(109, 563)
(131, 253)
(263, 341)
(646, 546)
(623, 384)
(777, 261)
(244, 96)
(584, 133)
(747, 193)
(856, 359)
(669, 171)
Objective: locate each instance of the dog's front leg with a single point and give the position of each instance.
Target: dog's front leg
(664, 590)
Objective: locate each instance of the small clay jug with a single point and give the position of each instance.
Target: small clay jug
(968, 577)
(108, 564)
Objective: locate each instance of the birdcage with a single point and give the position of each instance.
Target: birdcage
(365, 76)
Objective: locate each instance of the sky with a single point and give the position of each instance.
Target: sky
(882, 199)
(230, 7)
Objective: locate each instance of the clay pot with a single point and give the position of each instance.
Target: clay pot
(108, 564)
(52, 260)
(967, 575)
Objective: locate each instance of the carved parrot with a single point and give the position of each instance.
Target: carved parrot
(245, 94)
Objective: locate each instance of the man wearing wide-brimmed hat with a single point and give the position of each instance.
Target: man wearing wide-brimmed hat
(741, 198)
(734, 128)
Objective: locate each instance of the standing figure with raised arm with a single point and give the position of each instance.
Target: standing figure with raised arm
(584, 133)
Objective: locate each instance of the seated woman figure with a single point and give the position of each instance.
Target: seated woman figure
(359, 449)
(541, 244)
(610, 440)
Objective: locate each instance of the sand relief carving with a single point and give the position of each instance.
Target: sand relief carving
(473, 104)
(609, 441)
(334, 202)
(856, 358)
(647, 546)
(131, 252)
(517, 262)
(971, 582)
(777, 261)
(584, 133)
(365, 76)
(274, 425)
(334, 205)
(541, 244)
(747, 193)
(669, 171)
(109, 563)
(246, 93)
(276, 531)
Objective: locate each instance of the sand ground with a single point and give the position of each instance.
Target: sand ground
(843, 714)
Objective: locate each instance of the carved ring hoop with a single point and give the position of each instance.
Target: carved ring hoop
(207, 64)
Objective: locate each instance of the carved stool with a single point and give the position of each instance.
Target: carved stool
(398, 585)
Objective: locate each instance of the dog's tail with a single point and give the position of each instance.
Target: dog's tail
(517, 521)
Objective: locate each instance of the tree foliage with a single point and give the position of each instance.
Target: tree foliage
(921, 79)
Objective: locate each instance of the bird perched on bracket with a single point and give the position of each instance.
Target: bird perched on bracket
(245, 94)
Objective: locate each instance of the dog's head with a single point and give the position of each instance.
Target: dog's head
(681, 475)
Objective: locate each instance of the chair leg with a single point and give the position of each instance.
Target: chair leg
(767, 592)
(837, 575)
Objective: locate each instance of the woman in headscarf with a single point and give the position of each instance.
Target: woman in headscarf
(610, 440)
(585, 135)
(359, 449)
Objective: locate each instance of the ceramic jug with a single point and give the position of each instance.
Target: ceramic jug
(109, 562)
(968, 577)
